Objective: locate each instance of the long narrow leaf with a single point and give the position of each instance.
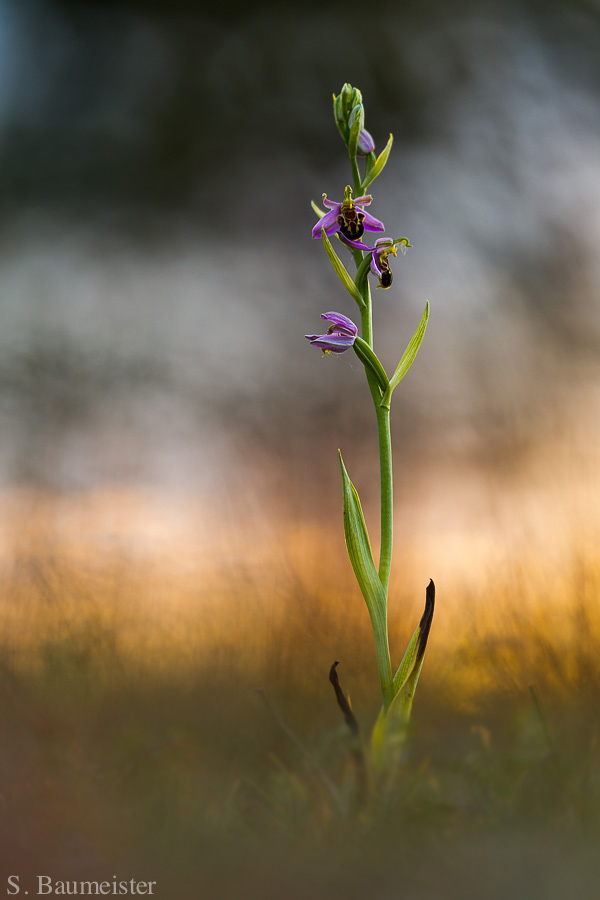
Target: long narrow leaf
(362, 272)
(401, 705)
(377, 738)
(361, 558)
(379, 164)
(359, 551)
(390, 728)
(408, 357)
(339, 267)
(371, 160)
(407, 665)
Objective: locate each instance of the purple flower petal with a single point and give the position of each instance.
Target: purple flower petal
(347, 218)
(372, 224)
(340, 336)
(356, 245)
(341, 323)
(375, 268)
(333, 343)
(328, 222)
(366, 144)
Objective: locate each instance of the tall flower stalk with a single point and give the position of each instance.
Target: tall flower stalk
(346, 222)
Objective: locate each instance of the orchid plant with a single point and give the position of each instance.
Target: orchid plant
(348, 222)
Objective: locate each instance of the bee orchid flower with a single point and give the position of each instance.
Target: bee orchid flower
(347, 217)
(380, 265)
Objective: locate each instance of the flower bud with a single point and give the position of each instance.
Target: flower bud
(366, 144)
(340, 116)
(346, 98)
(356, 98)
(355, 124)
(346, 107)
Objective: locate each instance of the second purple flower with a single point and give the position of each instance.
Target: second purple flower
(380, 264)
(340, 335)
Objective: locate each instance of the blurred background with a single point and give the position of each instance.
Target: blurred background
(158, 276)
(157, 269)
(168, 468)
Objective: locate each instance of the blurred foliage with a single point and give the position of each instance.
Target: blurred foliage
(134, 742)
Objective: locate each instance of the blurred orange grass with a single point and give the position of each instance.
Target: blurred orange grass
(174, 586)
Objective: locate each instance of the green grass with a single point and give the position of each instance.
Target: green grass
(134, 742)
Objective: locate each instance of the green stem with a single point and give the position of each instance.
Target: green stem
(385, 452)
(387, 495)
(366, 316)
(384, 664)
(382, 647)
(356, 177)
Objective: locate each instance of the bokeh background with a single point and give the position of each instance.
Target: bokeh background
(171, 505)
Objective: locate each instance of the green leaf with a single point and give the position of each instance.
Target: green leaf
(359, 550)
(389, 732)
(362, 272)
(378, 738)
(371, 159)
(319, 212)
(407, 676)
(408, 661)
(408, 357)
(339, 267)
(379, 164)
(403, 673)
(361, 558)
(369, 359)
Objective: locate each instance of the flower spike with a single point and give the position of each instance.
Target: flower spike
(349, 221)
